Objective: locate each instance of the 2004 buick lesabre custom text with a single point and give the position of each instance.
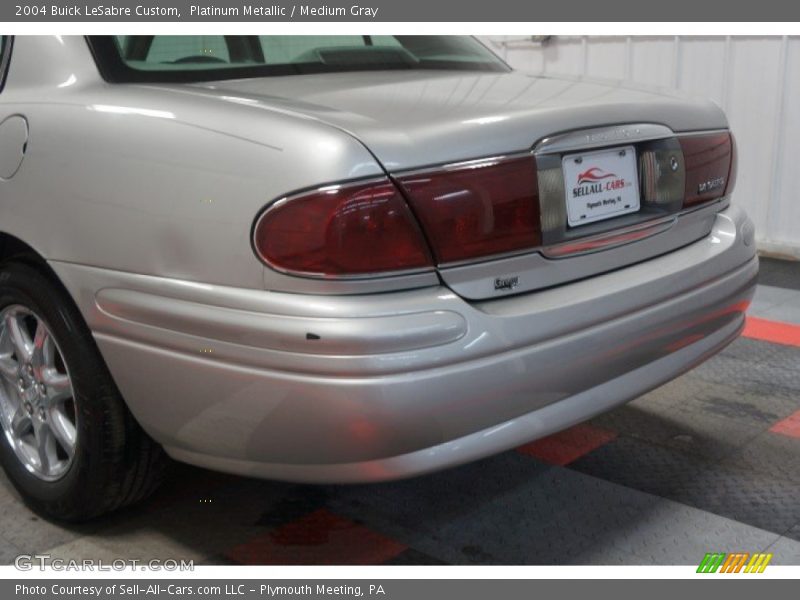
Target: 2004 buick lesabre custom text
(338, 259)
(99, 10)
(195, 10)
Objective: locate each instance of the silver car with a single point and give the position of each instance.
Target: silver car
(338, 259)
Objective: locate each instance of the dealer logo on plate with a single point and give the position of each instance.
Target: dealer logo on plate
(595, 180)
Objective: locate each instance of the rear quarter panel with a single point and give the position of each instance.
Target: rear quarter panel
(138, 179)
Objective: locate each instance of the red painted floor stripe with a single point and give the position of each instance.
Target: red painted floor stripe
(319, 538)
(772, 331)
(567, 446)
(789, 426)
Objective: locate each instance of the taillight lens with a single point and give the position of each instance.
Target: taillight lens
(344, 230)
(732, 174)
(710, 161)
(478, 208)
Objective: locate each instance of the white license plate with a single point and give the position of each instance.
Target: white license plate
(600, 185)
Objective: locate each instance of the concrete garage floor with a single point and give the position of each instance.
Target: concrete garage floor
(709, 462)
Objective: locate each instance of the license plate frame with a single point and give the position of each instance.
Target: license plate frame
(600, 184)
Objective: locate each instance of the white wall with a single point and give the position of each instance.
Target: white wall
(755, 79)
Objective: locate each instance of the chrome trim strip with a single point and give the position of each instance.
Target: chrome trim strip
(475, 163)
(608, 240)
(586, 139)
(701, 132)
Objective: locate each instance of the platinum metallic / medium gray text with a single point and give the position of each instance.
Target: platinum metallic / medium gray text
(279, 10)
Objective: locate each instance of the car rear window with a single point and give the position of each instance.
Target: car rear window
(209, 57)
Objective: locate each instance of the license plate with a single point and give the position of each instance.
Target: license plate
(600, 185)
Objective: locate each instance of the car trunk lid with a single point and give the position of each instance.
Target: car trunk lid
(415, 118)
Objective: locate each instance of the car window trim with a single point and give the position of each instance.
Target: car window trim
(113, 68)
(5, 61)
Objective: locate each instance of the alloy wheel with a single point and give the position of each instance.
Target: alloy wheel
(37, 402)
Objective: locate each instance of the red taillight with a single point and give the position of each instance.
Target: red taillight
(342, 230)
(479, 208)
(734, 167)
(710, 166)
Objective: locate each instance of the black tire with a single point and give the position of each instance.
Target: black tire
(115, 463)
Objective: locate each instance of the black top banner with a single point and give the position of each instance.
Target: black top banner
(398, 11)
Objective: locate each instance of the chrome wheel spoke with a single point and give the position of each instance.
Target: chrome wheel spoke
(23, 346)
(41, 346)
(46, 448)
(57, 384)
(6, 347)
(48, 352)
(63, 430)
(9, 368)
(20, 423)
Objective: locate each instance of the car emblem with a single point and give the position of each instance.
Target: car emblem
(710, 185)
(506, 283)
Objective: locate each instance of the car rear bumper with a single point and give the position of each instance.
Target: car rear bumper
(367, 388)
